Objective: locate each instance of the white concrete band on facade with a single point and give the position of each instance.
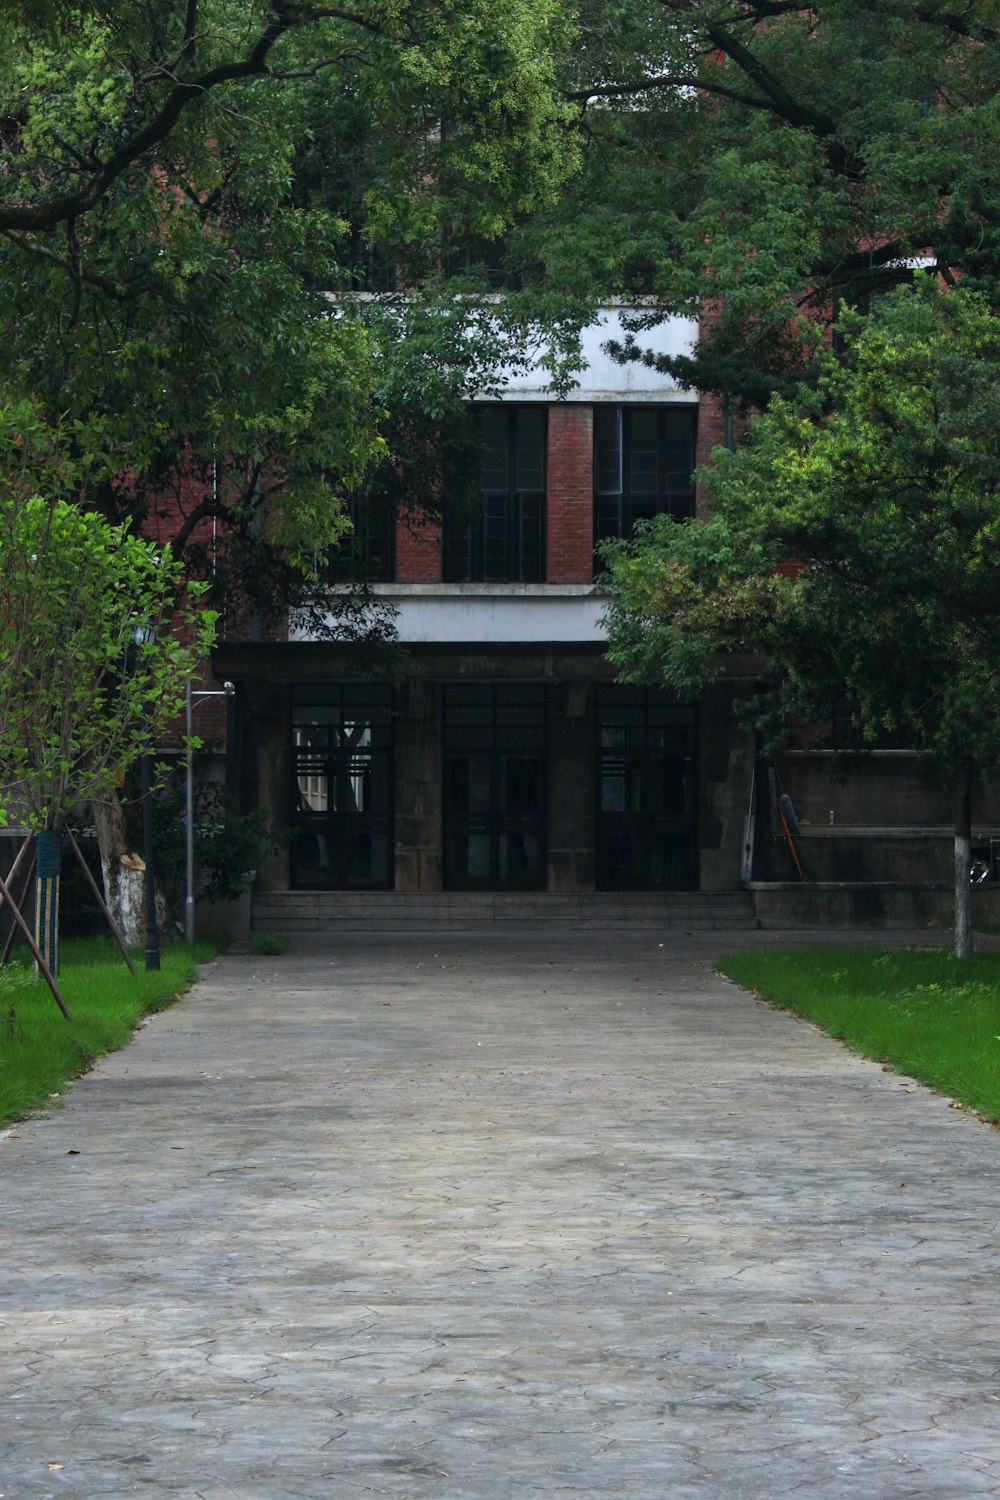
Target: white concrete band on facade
(487, 613)
(602, 378)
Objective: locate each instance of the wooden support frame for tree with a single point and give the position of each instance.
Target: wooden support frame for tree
(29, 937)
(11, 875)
(95, 891)
(25, 889)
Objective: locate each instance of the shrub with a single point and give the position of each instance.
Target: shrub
(268, 944)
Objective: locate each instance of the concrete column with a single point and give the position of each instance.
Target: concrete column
(571, 786)
(270, 706)
(725, 766)
(418, 787)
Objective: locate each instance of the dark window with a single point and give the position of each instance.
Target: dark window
(644, 459)
(500, 536)
(367, 553)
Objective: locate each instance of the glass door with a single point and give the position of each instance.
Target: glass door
(342, 786)
(646, 812)
(494, 773)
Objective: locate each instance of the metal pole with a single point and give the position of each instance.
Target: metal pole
(152, 937)
(189, 823)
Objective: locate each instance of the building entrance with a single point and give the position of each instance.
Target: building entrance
(494, 787)
(341, 786)
(646, 810)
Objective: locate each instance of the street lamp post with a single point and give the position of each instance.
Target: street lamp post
(145, 635)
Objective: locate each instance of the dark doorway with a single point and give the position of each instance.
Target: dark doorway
(646, 814)
(494, 787)
(341, 786)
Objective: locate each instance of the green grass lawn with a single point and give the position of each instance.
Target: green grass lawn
(921, 1011)
(40, 1051)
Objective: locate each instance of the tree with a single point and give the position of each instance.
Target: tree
(197, 197)
(763, 163)
(882, 487)
(185, 186)
(79, 696)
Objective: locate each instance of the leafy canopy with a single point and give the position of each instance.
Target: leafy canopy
(766, 162)
(79, 697)
(184, 187)
(852, 541)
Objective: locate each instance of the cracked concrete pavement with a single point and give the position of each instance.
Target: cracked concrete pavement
(479, 1217)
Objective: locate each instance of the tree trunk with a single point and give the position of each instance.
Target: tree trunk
(963, 862)
(122, 887)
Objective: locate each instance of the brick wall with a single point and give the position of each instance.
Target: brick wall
(165, 520)
(570, 524)
(711, 427)
(712, 416)
(418, 549)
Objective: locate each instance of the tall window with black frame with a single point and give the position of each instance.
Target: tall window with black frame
(367, 554)
(500, 537)
(644, 458)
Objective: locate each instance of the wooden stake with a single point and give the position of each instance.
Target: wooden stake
(791, 842)
(17, 860)
(26, 887)
(30, 938)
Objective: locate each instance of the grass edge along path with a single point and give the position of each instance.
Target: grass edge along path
(40, 1052)
(918, 1011)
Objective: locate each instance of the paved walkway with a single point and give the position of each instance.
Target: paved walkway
(487, 1219)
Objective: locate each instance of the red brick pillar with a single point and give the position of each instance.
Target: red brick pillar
(418, 549)
(570, 494)
(714, 432)
(713, 429)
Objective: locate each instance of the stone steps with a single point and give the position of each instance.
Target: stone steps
(405, 911)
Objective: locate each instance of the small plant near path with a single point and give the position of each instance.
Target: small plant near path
(920, 1012)
(40, 1052)
(268, 944)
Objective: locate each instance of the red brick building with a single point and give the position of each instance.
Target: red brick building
(506, 757)
(503, 756)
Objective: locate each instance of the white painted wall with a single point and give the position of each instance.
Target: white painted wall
(602, 379)
(489, 613)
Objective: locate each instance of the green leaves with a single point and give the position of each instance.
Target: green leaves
(852, 541)
(181, 305)
(770, 165)
(79, 698)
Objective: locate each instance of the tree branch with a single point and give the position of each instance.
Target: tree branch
(185, 63)
(669, 80)
(76, 272)
(284, 18)
(949, 21)
(201, 512)
(781, 100)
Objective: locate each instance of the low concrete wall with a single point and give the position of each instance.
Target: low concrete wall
(886, 905)
(225, 920)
